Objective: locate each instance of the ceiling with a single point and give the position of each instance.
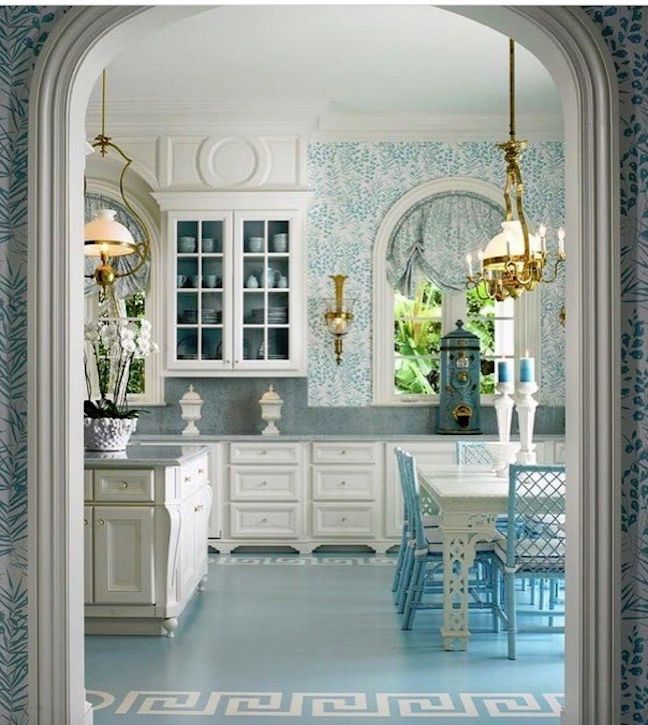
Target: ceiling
(340, 59)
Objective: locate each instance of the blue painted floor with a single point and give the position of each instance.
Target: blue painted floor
(302, 639)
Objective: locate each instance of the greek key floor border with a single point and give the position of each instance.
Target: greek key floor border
(301, 560)
(331, 704)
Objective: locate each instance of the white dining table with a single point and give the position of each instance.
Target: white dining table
(469, 500)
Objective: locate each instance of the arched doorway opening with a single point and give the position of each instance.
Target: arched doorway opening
(68, 67)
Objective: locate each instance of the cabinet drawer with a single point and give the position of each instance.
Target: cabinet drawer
(337, 482)
(343, 520)
(264, 452)
(193, 475)
(264, 521)
(263, 484)
(124, 485)
(87, 485)
(344, 453)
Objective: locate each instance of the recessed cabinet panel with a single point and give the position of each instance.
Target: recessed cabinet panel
(343, 520)
(262, 453)
(87, 485)
(123, 547)
(339, 483)
(124, 485)
(253, 483)
(264, 521)
(344, 452)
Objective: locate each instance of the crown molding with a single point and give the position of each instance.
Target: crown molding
(254, 117)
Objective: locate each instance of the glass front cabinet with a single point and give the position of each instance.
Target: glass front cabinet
(236, 302)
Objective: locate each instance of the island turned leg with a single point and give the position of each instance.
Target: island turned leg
(460, 535)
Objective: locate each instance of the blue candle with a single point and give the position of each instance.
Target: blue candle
(527, 369)
(504, 371)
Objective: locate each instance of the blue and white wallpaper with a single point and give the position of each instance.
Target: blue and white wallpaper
(380, 178)
(23, 30)
(625, 31)
(355, 184)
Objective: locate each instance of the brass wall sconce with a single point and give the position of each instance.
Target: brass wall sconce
(339, 314)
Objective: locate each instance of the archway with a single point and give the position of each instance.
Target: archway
(68, 66)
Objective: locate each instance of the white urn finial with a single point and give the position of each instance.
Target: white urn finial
(191, 405)
(270, 403)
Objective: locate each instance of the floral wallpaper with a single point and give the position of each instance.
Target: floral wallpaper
(355, 184)
(23, 30)
(382, 173)
(625, 31)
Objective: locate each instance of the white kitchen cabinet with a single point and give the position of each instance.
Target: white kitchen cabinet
(305, 494)
(123, 556)
(235, 271)
(146, 538)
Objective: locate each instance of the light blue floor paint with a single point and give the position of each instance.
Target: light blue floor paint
(305, 639)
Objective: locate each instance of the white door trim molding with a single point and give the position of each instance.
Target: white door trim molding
(84, 41)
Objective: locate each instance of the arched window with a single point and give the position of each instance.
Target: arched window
(419, 290)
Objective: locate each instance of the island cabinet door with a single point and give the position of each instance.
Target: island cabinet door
(88, 554)
(123, 555)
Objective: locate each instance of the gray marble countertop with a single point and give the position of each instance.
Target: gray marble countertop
(145, 456)
(206, 438)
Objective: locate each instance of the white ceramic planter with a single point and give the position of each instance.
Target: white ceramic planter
(107, 434)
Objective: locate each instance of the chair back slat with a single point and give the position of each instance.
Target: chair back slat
(409, 482)
(536, 519)
(473, 453)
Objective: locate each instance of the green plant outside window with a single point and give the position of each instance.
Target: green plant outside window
(417, 339)
(136, 307)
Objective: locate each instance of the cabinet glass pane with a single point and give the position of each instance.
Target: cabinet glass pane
(278, 237)
(278, 348)
(211, 238)
(212, 344)
(254, 237)
(253, 343)
(187, 343)
(187, 237)
(212, 272)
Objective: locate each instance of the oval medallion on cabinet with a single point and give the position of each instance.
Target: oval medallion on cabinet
(233, 162)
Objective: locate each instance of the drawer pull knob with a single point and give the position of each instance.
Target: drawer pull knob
(263, 483)
(187, 479)
(343, 452)
(85, 522)
(101, 522)
(123, 485)
(343, 519)
(263, 453)
(264, 521)
(198, 507)
(201, 471)
(343, 483)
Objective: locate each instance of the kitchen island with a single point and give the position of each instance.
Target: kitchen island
(146, 520)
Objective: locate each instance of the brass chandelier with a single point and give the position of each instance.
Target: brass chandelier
(515, 260)
(104, 237)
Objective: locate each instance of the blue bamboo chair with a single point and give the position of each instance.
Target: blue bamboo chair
(473, 453)
(424, 554)
(534, 547)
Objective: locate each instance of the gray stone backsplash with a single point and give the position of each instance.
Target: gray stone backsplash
(231, 408)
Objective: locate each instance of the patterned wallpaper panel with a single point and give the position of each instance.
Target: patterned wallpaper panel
(355, 184)
(23, 30)
(625, 31)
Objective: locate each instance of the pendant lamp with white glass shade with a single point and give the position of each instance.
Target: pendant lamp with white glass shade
(104, 236)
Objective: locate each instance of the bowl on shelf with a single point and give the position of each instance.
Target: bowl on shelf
(279, 243)
(189, 317)
(208, 245)
(186, 245)
(182, 279)
(187, 349)
(255, 244)
(211, 280)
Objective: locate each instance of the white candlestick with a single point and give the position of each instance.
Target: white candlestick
(504, 410)
(526, 409)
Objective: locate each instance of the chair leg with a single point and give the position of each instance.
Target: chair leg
(407, 578)
(511, 614)
(532, 590)
(495, 589)
(399, 562)
(415, 593)
(401, 576)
